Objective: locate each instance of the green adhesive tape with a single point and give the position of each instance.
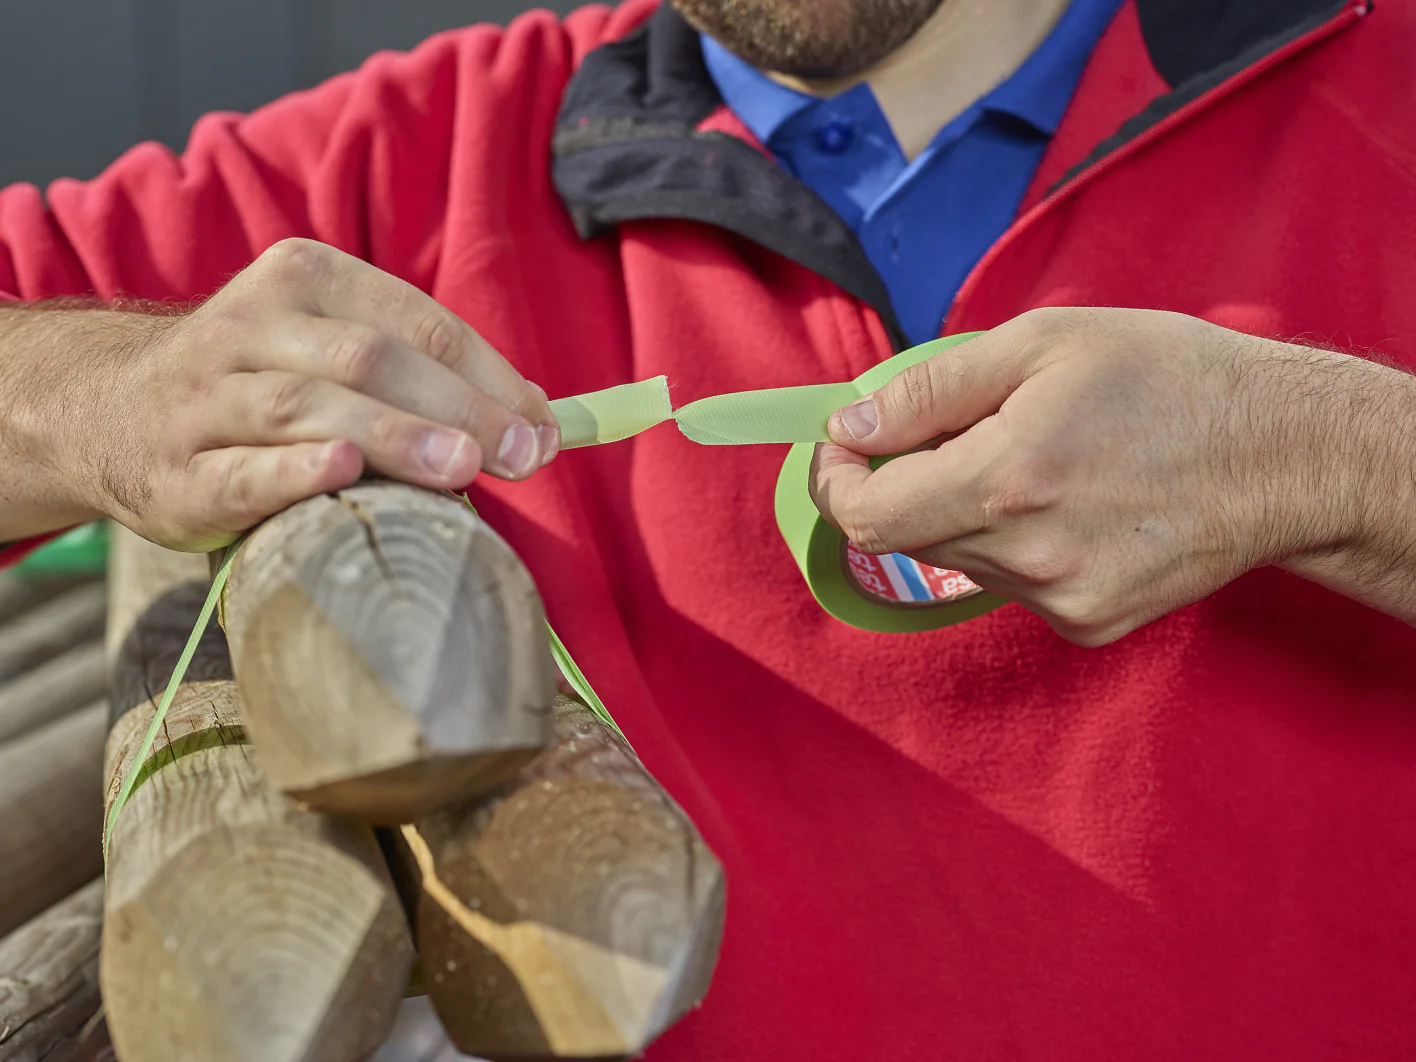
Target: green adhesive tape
(891, 594)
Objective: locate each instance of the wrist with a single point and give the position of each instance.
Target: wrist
(1354, 518)
(58, 405)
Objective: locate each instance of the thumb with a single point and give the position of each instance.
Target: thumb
(951, 391)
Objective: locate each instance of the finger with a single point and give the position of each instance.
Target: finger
(279, 408)
(916, 501)
(238, 486)
(375, 364)
(342, 286)
(946, 394)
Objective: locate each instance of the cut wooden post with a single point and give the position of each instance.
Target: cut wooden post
(391, 652)
(48, 629)
(238, 927)
(53, 689)
(50, 813)
(574, 912)
(49, 980)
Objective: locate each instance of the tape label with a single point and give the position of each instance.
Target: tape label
(895, 579)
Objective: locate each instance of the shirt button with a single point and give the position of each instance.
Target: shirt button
(836, 136)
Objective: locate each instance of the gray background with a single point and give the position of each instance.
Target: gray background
(82, 80)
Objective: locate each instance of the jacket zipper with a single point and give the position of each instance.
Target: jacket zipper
(1353, 12)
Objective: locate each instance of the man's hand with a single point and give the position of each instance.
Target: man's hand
(305, 369)
(1104, 467)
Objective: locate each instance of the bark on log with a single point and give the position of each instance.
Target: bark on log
(50, 628)
(50, 808)
(49, 980)
(574, 912)
(52, 690)
(238, 926)
(391, 653)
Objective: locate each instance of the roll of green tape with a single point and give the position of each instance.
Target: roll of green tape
(891, 594)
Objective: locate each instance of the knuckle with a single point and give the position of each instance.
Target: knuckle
(920, 390)
(1020, 488)
(289, 397)
(864, 532)
(1082, 618)
(1047, 320)
(1046, 563)
(232, 484)
(440, 335)
(293, 259)
(357, 355)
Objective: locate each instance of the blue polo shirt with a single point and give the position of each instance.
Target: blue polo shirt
(924, 224)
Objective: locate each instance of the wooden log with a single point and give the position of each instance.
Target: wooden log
(574, 912)
(48, 629)
(19, 593)
(49, 980)
(391, 653)
(238, 926)
(50, 808)
(53, 689)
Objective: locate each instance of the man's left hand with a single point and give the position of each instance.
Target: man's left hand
(1104, 467)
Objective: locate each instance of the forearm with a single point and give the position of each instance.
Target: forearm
(46, 406)
(1366, 448)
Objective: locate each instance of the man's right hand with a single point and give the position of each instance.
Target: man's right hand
(308, 367)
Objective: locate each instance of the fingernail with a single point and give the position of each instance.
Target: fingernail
(440, 450)
(860, 418)
(519, 453)
(550, 440)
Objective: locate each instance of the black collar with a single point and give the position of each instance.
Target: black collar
(627, 145)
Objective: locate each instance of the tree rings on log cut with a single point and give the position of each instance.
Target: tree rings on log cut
(239, 927)
(391, 652)
(574, 912)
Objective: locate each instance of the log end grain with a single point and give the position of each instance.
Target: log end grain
(379, 636)
(575, 912)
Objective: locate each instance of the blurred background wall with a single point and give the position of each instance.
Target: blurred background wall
(82, 80)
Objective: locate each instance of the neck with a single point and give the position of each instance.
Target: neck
(965, 49)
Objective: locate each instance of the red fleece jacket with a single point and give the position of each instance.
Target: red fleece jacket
(977, 843)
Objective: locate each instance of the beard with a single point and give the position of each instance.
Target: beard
(809, 38)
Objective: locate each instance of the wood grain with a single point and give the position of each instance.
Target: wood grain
(49, 980)
(574, 912)
(50, 827)
(53, 689)
(239, 927)
(391, 653)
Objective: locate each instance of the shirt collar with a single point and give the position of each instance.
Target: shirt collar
(763, 105)
(1038, 92)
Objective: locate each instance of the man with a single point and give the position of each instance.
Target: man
(980, 842)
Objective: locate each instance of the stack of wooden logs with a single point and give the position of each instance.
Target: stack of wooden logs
(367, 771)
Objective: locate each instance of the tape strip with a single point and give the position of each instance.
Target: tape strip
(135, 768)
(779, 415)
(144, 764)
(795, 415)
